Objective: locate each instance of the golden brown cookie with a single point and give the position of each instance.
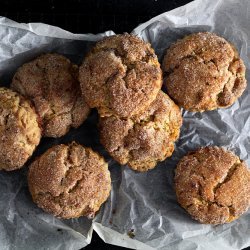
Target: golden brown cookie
(120, 76)
(69, 181)
(19, 130)
(204, 72)
(213, 185)
(146, 139)
(50, 81)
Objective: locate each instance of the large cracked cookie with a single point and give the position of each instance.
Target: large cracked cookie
(120, 76)
(50, 81)
(204, 72)
(69, 181)
(144, 140)
(20, 131)
(213, 185)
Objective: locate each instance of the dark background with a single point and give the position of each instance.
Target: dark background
(88, 16)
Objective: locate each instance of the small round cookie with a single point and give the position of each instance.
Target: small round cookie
(20, 132)
(50, 81)
(69, 181)
(146, 139)
(120, 76)
(213, 185)
(204, 72)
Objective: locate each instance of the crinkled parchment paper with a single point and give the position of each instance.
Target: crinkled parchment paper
(142, 205)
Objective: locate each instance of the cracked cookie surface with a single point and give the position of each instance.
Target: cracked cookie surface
(143, 140)
(120, 76)
(213, 185)
(50, 81)
(203, 72)
(19, 130)
(69, 181)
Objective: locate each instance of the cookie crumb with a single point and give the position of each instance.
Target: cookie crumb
(131, 233)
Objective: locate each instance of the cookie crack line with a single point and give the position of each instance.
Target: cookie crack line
(129, 66)
(220, 94)
(234, 75)
(123, 56)
(61, 194)
(127, 134)
(50, 194)
(68, 160)
(65, 161)
(75, 187)
(198, 56)
(171, 70)
(227, 177)
(45, 88)
(7, 119)
(143, 122)
(206, 202)
(193, 56)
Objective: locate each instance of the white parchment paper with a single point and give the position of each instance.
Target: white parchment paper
(143, 204)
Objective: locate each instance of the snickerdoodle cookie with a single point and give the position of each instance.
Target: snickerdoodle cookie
(204, 72)
(146, 139)
(50, 81)
(120, 76)
(69, 181)
(213, 185)
(20, 132)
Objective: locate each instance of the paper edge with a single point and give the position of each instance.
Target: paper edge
(41, 29)
(143, 26)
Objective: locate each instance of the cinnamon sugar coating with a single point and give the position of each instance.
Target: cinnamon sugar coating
(120, 76)
(20, 132)
(143, 140)
(50, 81)
(204, 72)
(213, 185)
(69, 181)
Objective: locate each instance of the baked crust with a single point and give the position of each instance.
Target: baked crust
(213, 185)
(50, 81)
(69, 181)
(145, 139)
(120, 76)
(204, 72)
(19, 130)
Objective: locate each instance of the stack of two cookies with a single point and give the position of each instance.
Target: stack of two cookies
(122, 78)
